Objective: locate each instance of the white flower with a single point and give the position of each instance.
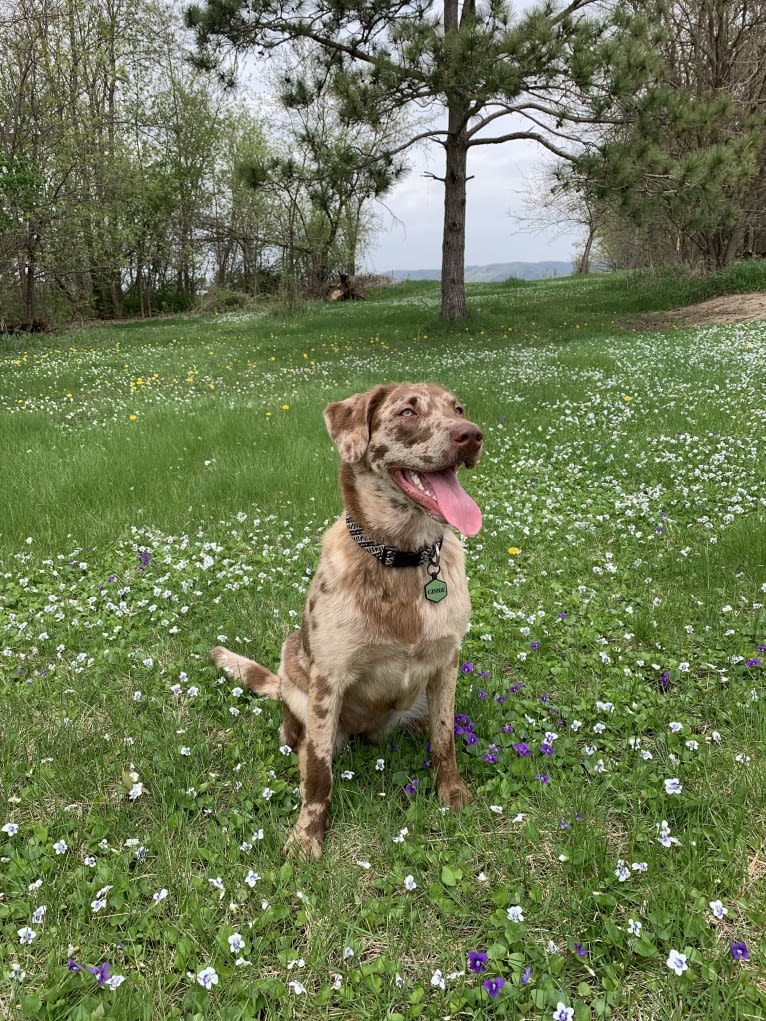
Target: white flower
(634, 927)
(718, 909)
(115, 981)
(677, 962)
(136, 791)
(348, 953)
(646, 755)
(562, 1012)
(551, 949)
(285, 749)
(296, 987)
(207, 978)
(402, 834)
(380, 765)
(160, 895)
(26, 935)
(347, 774)
(252, 878)
(17, 972)
(363, 864)
(217, 882)
(409, 883)
(10, 828)
(60, 847)
(39, 914)
(236, 943)
(675, 727)
(622, 871)
(673, 786)
(137, 696)
(185, 750)
(98, 904)
(437, 979)
(267, 793)
(497, 809)
(665, 838)
(515, 913)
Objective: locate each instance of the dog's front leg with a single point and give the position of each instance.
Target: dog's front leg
(315, 764)
(441, 710)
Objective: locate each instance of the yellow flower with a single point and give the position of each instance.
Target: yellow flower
(285, 407)
(133, 417)
(513, 550)
(627, 397)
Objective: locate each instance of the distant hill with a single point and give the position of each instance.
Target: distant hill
(495, 271)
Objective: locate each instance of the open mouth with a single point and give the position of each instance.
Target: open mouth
(441, 495)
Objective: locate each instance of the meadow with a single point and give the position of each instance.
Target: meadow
(164, 487)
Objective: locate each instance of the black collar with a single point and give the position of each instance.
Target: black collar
(390, 556)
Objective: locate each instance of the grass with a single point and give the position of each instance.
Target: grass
(166, 484)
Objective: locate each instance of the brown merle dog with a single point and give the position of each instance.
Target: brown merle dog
(378, 644)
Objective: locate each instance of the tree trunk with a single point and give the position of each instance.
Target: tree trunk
(453, 243)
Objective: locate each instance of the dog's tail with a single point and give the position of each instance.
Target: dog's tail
(254, 676)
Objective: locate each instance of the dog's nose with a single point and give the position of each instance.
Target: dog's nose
(466, 434)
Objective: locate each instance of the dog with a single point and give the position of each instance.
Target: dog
(385, 613)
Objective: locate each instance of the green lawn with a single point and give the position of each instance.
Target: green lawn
(166, 484)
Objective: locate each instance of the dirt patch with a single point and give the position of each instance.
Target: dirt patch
(730, 308)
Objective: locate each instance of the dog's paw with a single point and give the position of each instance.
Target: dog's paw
(455, 796)
(304, 844)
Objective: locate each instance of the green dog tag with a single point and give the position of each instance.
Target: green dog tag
(435, 590)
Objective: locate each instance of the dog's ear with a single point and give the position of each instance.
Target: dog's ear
(348, 422)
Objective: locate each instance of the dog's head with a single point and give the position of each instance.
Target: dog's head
(412, 437)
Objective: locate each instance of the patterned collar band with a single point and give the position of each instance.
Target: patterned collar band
(390, 556)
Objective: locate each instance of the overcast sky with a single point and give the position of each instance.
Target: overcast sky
(492, 235)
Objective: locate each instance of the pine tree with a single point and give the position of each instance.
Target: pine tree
(546, 76)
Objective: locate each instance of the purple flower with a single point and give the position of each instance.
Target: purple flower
(563, 824)
(580, 950)
(73, 965)
(484, 674)
(546, 748)
(501, 698)
(739, 951)
(490, 757)
(507, 728)
(544, 699)
(515, 688)
(481, 694)
(493, 985)
(534, 646)
(471, 739)
(753, 662)
(563, 615)
(522, 748)
(542, 777)
(760, 648)
(411, 787)
(101, 971)
(466, 668)
(526, 976)
(579, 815)
(477, 961)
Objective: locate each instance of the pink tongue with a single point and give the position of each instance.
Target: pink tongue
(455, 504)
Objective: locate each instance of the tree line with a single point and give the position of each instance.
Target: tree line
(130, 182)
(132, 179)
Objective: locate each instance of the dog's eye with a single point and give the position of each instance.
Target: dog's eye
(407, 412)
(459, 410)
